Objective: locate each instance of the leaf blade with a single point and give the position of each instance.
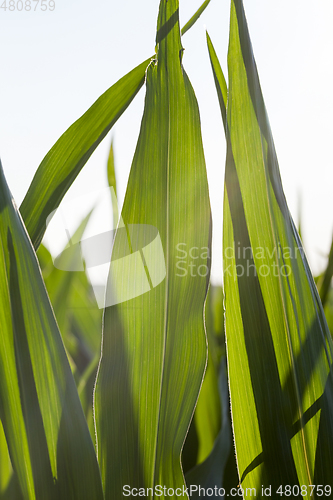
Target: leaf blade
(220, 83)
(209, 473)
(195, 17)
(66, 158)
(41, 414)
(142, 340)
(275, 324)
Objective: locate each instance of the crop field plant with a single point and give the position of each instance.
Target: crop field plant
(172, 388)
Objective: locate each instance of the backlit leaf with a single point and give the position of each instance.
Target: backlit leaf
(47, 435)
(154, 346)
(64, 161)
(279, 347)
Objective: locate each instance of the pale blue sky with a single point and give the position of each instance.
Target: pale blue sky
(54, 65)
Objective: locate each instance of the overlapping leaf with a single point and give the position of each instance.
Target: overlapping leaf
(49, 443)
(325, 281)
(220, 83)
(216, 468)
(154, 347)
(195, 17)
(66, 158)
(78, 318)
(111, 174)
(5, 465)
(208, 414)
(279, 347)
(208, 475)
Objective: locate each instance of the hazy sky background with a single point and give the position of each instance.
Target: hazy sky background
(54, 65)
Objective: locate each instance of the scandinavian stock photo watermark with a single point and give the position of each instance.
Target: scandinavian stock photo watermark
(245, 261)
(190, 260)
(239, 261)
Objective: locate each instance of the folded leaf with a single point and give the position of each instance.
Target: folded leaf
(86, 391)
(279, 347)
(154, 346)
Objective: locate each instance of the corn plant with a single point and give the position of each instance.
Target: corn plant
(137, 402)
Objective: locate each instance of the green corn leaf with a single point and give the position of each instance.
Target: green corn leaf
(66, 158)
(154, 347)
(217, 307)
(209, 473)
(206, 422)
(6, 470)
(13, 490)
(48, 440)
(45, 260)
(207, 416)
(324, 283)
(220, 83)
(207, 413)
(195, 17)
(61, 284)
(9, 487)
(212, 413)
(300, 219)
(329, 310)
(112, 182)
(189, 458)
(214, 317)
(216, 454)
(111, 172)
(86, 317)
(73, 149)
(279, 347)
(86, 391)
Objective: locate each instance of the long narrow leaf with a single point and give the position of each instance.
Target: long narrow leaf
(5, 464)
(220, 83)
(195, 17)
(112, 181)
(154, 347)
(208, 475)
(279, 347)
(207, 416)
(61, 286)
(325, 280)
(48, 439)
(64, 161)
(70, 153)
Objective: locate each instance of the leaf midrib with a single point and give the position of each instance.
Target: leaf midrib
(166, 303)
